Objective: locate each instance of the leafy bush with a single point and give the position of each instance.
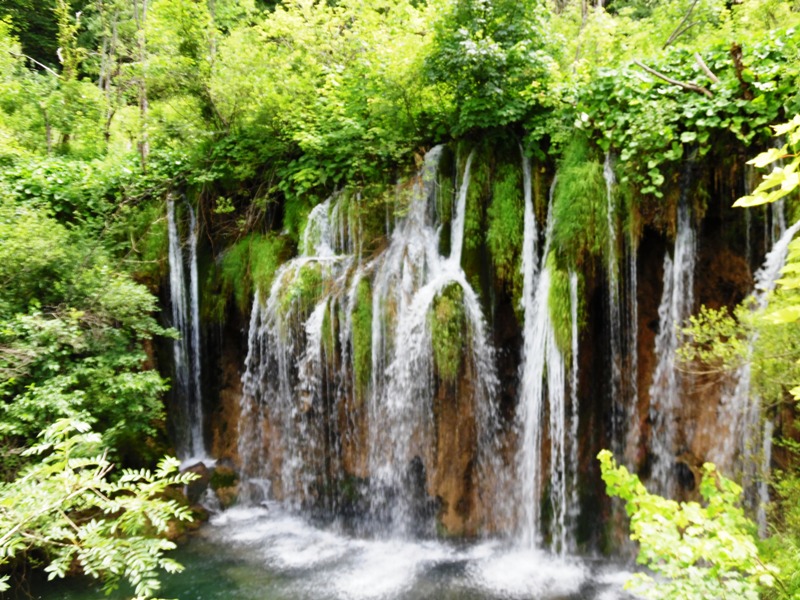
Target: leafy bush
(697, 551)
(66, 506)
(491, 57)
(72, 331)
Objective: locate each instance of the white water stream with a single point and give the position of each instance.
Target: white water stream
(185, 303)
(677, 302)
(542, 407)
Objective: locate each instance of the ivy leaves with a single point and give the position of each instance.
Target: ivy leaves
(650, 122)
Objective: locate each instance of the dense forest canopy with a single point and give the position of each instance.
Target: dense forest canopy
(256, 111)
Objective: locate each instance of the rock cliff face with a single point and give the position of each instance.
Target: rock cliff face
(418, 449)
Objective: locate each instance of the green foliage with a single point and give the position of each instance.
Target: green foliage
(362, 340)
(506, 224)
(447, 321)
(66, 506)
(782, 318)
(650, 122)
(580, 207)
(784, 177)
(697, 551)
(491, 57)
(715, 339)
(71, 335)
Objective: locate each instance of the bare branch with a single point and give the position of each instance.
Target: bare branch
(34, 61)
(702, 64)
(679, 30)
(687, 86)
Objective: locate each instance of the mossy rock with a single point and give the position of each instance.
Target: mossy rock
(222, 477)
(580, 207)
(447, 321)
(362, 341)
(302, 288)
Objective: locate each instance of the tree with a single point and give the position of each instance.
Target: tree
(697, 551)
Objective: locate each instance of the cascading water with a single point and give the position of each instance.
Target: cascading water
(186, 350)
(677, 302)
(283, 438)
(574, 412)
(297, 382)
(632, 342)
(409, 277)
(740, 408)
(618, 417)
(543, 390)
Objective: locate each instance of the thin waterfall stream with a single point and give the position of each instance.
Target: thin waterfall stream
(185, 303)
(677, 302)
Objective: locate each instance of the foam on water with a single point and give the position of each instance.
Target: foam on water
(331, 565)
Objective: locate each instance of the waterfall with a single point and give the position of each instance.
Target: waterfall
(632, 342)
(196, 415)
(283, 429)
(574, 410)
(618, 413)
(740, 408)
(186, 349)
(543, 389)
(409, 277)
(677, 301)
(299, 415)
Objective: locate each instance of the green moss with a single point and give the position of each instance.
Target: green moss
(560, 304)
(223, 477)
(580, 207)
(295, 216)
(444, 206)
(249, 264)
(448, 324)
(506, 225)
(362, 340)
(478, 195)
(329, 334)
(302, 289)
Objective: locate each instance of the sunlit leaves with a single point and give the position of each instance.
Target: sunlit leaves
(66, 505)
(697, 551)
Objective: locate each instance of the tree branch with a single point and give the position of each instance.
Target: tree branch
(678, 31)
(687, 86)
(709, 73)
(34, 61)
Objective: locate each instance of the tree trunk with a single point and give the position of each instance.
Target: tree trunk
(140, 15)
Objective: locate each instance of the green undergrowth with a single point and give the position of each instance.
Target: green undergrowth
(448, 328)
(362, 340)
(145, 227)
(580, 207)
